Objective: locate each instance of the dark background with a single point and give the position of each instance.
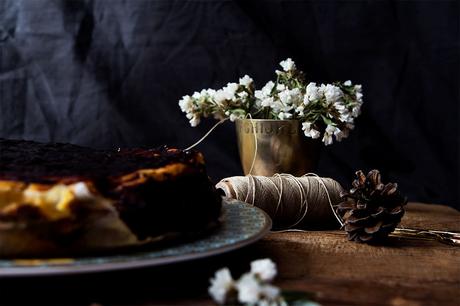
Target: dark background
(110, 73)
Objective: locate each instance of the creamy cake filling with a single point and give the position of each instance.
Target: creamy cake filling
(54, 201)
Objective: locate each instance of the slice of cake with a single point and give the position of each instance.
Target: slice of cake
(62, 198)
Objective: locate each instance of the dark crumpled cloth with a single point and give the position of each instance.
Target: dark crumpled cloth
(108, 73)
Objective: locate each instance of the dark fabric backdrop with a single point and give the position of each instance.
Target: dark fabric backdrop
(110, 73)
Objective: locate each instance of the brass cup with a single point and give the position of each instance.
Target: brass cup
(281, 147)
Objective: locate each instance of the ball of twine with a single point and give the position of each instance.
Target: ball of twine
(306, 202)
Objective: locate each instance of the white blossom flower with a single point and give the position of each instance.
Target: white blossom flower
(284, 116)
(252, 288)
(259, 95)
(309, 131)
(246, 81)
(288, 64)
(340, 134)
(284, 96)
(257, 104)
(321, 90)
(248, 289)
(196, 95)
(186, 104)
(299, 110)
(280, 87)
(327, 138)
(330, 129)
(312, 93)
(234, 116)
(296, 96)
(346, 117)
(359, 93)
(230, 91)
(340, 107)
(347, 83)
(356, 111)
(314, 134)
(284, 108)
(220, 97)
(243, 95)
(232, 87)
(267, 102)
(203, 92)
(267, 89)
(332, 93)
(265, 93)
(277, 106)
(195, 120)
(306, 126)
(221, 284)
(280, 302)
(290, 96)
(270, 292)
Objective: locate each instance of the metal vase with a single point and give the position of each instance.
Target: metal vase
(281, 147)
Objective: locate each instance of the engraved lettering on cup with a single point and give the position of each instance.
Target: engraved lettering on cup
(247, 127)
(269, 129)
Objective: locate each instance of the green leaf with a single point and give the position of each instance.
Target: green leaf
(327, 120)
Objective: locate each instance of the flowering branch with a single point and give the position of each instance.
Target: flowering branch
(253, 288)
(325, 110)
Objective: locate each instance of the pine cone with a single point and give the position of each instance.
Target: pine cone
(371, 210)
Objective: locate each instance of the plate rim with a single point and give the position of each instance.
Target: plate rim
(70, 269)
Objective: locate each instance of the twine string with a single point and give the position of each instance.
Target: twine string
(303, 199)
(320, 180)
(207, 134)
(248, 115)
(289, 200)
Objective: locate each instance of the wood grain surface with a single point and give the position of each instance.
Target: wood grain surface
(339, 272)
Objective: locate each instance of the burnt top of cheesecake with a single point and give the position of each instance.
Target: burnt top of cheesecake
(29, 161)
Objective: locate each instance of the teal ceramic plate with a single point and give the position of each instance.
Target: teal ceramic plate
(243, 224)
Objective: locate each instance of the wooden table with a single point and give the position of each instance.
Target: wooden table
(403, 272)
